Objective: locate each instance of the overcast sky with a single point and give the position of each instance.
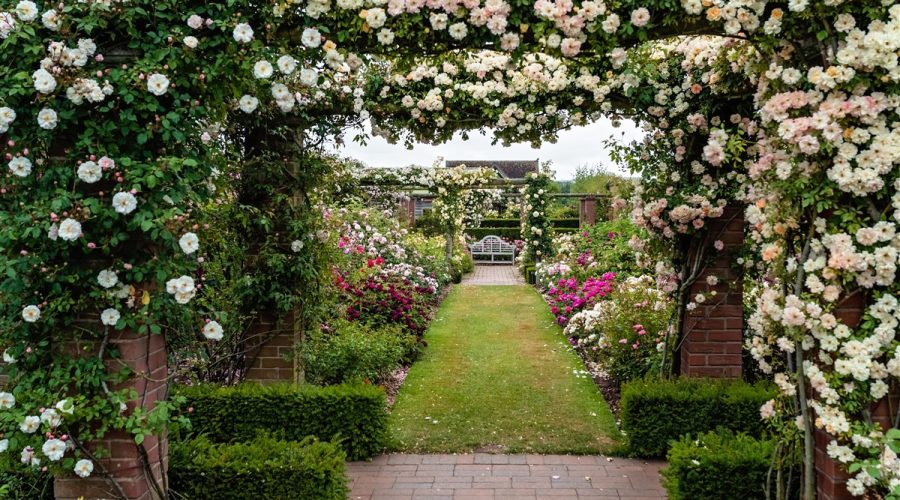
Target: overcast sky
(575, 147)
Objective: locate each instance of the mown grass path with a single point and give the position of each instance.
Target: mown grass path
(498, 376)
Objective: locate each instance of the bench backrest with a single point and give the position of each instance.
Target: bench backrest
(492, 244)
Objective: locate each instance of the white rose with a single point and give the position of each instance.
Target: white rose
(110, 317)
(124, 203)
(191, 42)
(242, 33)
(107, 278)
(20, 166)
(287, 64)
(213, 331)
(69, 230)
(84, 468)
(248, 104)
(47, 119)
(157, 84)
(263, 69)
(189, 243)
(26, 10)
(31, 314)
(311, 38)
(89, 172)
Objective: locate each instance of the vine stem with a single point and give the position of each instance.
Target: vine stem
(809, 467)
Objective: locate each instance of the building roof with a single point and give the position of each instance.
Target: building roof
(506, 168)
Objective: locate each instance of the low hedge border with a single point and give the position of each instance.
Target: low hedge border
(352, 414)
(262, 468)
(564, 222)
(656, 412)
(510, 233)
(718, 465)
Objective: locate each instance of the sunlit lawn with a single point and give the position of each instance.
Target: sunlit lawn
(498, 374)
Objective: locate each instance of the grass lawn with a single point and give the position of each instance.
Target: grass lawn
(498, 374)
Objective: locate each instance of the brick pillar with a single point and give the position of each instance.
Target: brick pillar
(410, 207)
(146, 355)
(270, 350)
(587, 213)
(713, 332)
(831, 477)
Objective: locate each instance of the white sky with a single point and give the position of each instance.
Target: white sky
(575, 147)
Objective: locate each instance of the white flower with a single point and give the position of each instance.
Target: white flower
(7, 401)
(610, 24)
(640, 17)
(212, 330)
(43, 81)
(4, 445)
(311, 38)
(107, 278)
(458, 31)
(110, 317)
(191, 42)
(84, 468)
(248, 104)
(65, 406)
(30, 424)
(47, 119)
(157, 84)
(26, 10)
(385, 36)
(262, 69)
(50, 19)
(20, 166)
(54, 449)
(195, 22)
(51, 418)
(7, 115)
(89, 172)
(124, 202)
(309, 77)
(189, 243)
(242, 33)
(28, 457)
(375, 17)
(69, 230)
(8, 358)
(31, 314)
(296, 246)
(287, 64)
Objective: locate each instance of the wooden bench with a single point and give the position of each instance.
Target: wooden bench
(493, 247)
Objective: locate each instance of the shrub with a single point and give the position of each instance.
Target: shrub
(352, 414)
(19, 484)
(568, 223)
(262, 468)
(508, 233)
(501, 223)
(355, 351)
(623, 333)
(718, 465)
(655, 412)
(389, 299)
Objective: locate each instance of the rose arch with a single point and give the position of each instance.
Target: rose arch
(120, 120)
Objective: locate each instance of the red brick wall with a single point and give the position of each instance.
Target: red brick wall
(146, 355)
(270, 349)
(713, 332)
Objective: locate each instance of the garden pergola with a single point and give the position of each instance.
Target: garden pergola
(790, 111)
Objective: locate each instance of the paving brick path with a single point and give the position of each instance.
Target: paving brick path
(497, 274)
(484, 476)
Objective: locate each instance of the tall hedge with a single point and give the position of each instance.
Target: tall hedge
(718, 465)
(655, 412)
(510, 233)
(352, 414)
(259, 469)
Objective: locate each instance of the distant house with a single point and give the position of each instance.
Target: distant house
(506, 169)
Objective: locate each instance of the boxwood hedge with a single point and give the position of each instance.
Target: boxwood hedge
(262, 468)
(655, 412)
(353, 415)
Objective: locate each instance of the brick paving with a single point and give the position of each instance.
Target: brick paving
(494, 274)
(488, 476)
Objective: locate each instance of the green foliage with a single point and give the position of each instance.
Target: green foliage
(596, 179)
(261, 468)
(353, 414)
(718, 465)
(351, 351)
(565, 223)
(656, 412)
(16, 484)
(624, 332)
(509, 233)
(501, 223)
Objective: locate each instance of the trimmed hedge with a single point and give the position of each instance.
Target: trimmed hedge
(510, 233)
(565, 230)
(530, 274)
(353, 414)
(655, 412)
(718, 465)
(573, 223)
(262, 468)
(500, 223)
(565, 223)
